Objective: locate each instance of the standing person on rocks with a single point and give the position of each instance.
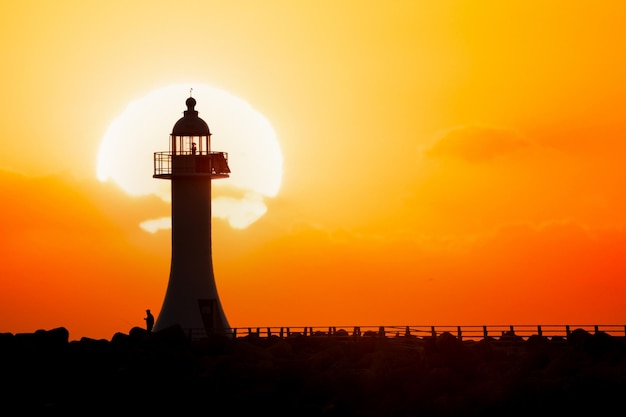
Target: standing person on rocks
(149, 320)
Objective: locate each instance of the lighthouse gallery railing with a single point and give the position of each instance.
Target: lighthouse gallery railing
(211, 163)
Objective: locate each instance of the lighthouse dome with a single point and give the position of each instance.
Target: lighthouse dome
(190, 124)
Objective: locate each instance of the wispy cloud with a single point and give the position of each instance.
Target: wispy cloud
(477, 143)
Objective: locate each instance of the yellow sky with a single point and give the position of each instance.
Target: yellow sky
(444, 161)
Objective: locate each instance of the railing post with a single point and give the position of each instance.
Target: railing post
(459, 334)
(539, 332)
(269, 332)
(433, 333)
(381, 331)
(407, 331)
(288, 331)
(567, 332)
(485, 333)
(234, 333)
(595, 329)
(357, 331)
(512, 330)
(281, 333)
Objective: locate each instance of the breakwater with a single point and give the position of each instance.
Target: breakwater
(313, 375)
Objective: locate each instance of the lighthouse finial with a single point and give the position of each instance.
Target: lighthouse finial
(190, 90)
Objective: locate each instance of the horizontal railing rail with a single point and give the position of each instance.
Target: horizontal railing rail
(466, 332)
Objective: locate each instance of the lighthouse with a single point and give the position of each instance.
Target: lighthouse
(191, 300)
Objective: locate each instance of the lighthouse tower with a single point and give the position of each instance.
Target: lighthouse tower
(191, 300)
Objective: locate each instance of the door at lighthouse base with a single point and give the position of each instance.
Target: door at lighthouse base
(210, 315)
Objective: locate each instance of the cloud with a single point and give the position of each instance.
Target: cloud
(154, 225)
(475, 179)
(45, 202)
(557, 272)
(477, 143)
(73, 268)
(240, 213)
(72, 256)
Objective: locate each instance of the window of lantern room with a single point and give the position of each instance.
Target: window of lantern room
(190, 145)
(181, 145)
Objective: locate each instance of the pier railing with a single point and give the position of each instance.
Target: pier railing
(468, 332)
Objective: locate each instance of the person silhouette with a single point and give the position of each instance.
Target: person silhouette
(149, 320)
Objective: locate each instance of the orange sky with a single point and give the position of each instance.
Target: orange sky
(445, 162)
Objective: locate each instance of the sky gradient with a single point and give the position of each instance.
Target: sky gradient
(444, 162)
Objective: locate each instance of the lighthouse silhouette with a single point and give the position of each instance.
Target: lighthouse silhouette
(191, 300)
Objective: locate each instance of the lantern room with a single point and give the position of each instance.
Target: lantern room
(190, 150)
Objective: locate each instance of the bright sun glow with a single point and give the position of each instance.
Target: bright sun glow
(126, 151)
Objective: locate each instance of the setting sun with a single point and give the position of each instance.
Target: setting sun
(125, 155)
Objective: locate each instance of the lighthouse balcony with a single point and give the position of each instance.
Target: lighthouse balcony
(209, 164)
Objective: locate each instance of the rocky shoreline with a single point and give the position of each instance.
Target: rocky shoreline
(319, 375)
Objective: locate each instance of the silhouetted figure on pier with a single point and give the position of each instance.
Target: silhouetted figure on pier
(149, 320)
